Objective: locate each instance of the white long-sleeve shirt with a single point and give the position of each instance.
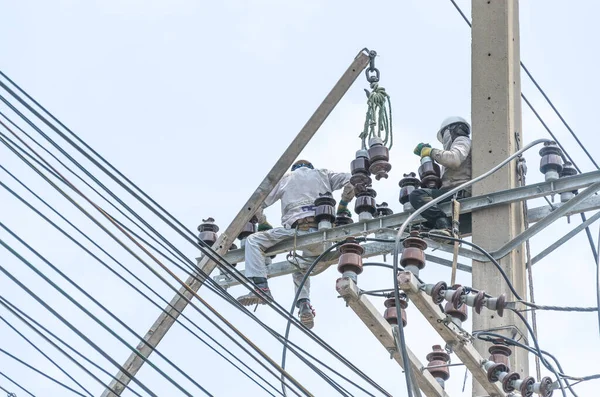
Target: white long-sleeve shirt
(299, 189)
(456, 160)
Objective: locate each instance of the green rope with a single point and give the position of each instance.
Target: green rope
(379, 117)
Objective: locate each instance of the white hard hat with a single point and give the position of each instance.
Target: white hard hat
(449, 121)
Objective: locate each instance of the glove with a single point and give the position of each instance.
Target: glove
(420, 147)
(264, 226)
(343, 207)
(342, 211)
(348, 193)
(426, 151)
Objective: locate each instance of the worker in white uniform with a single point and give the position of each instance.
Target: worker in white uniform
(297, 192)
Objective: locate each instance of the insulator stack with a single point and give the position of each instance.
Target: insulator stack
(391, 314)
(343, 218)
(551, 161)
(511, 381)
(383, 209)
(359, 168)
(500, 354)
(407, 184)
(413, 255)
(325, 210)
(437, 358)
(350, 262)
(440, 292)
(429, 172)
(208, 231)
(379, 157)
(457, 316)
(567, 170)
(365, 205)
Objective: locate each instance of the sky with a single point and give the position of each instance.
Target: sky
(195, 101)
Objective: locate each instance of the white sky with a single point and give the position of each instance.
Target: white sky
(195, 100)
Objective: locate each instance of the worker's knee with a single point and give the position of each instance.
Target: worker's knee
(419, 197)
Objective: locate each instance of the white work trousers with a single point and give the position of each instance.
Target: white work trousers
(257, 243)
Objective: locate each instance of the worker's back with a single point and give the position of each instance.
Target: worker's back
(299, 189)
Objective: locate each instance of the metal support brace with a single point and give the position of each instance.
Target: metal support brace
(459, 340)
(565, 238)
(467, 205)
(371, 249)
(380, 328)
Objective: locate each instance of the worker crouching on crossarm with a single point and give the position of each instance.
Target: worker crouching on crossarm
(297, 192)
(455, 159)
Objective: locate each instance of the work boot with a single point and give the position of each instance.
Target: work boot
(306, 313)
(442, 227)
(261, 294)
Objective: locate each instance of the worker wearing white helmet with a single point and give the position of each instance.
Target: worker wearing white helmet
(455, 159)
(297, 191)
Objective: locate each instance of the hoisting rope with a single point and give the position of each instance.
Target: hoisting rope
(379, 109)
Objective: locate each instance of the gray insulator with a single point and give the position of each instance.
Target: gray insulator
(413, 269)
(323, 225)
(470, 300)
(441, 382)
(566, 196)
(351, 275)
(365, 216)
(551, 175)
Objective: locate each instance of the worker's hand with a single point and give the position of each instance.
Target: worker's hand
(342, 207)
(344, 211)
(426, 151)
(420, 147)
(264, 226)
(348, 192)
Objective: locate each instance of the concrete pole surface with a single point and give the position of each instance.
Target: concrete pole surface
(496, 116)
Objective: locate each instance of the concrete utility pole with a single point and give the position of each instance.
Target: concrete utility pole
(496, 117)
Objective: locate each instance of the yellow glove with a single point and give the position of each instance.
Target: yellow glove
(426, 151)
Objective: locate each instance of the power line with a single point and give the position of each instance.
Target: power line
(30, 322)
(31, 367)
(346, 363)
(61, 369)
(16, 384)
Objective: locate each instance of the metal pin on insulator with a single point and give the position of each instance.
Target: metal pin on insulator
(407, 184)
(413, 255)
(325, 211)
(439, 357)
(391, 315)
(359, 168)
(383, 209)
(208, 231)
(551, 161)
(568, 170)
(500, 354)
(365, 205)
(457, 316)
(379, 157)
(429, 172)
(350, 262)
